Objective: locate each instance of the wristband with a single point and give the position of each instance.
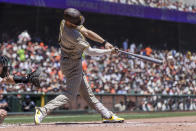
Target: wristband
(104, 42)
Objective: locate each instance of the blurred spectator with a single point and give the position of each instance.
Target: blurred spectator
(28, 104)
(3, 102)
(131, 106)
(24, 37)
(148, 51)
(21, 53)
(132, 47)
(169, 4)
(125, 44)
(120, 106)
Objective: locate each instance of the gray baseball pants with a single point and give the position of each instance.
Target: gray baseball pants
(76, 81)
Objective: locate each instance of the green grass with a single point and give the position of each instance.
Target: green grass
(93, 117)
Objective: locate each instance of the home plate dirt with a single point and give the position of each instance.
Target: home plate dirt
(157, 124)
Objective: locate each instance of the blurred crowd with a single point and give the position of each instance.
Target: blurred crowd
(158, 103)
(121, 74)
(115, 74)
(169, 4)
(26, 56)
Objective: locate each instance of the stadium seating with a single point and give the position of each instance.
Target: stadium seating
(107, 74)
(169, 4)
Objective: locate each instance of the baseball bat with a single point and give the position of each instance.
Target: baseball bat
(150, 59)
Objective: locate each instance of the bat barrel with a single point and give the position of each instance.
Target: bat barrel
(150, 59)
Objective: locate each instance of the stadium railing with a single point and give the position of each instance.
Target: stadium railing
(129, 102)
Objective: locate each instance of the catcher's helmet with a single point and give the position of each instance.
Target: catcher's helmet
(74, 16)
(4, 60)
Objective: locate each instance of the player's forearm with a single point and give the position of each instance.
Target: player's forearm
(91, 35)
(97, 52)
(94, 36)
(14, 80)
(7, 80)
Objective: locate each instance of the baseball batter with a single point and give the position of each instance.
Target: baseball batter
(8, 79)
(73, 43)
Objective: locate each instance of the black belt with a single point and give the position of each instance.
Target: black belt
(72, 58)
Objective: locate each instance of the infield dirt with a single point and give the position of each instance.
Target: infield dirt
(155, 124)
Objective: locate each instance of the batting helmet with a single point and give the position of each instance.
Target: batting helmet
(74, 16)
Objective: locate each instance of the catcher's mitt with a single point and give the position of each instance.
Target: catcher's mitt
(34, 78)
(4, 62)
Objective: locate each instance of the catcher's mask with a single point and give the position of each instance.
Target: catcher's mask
(4, 62)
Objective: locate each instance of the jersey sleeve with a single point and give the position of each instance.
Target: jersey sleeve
(82, 43)
(97, 52)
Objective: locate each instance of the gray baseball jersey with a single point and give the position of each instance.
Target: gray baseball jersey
(72, 42)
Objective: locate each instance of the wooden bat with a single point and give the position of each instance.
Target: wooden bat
(146, 58)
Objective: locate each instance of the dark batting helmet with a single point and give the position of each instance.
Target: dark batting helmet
(74, 16)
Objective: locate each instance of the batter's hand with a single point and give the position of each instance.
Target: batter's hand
(115, 50)
(108, 46)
